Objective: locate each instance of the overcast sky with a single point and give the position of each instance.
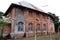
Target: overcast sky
(45, 5)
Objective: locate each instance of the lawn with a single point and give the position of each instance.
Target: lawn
(42, 38)
(52, 37)
(33, 38)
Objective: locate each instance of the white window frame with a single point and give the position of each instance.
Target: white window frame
(20, 26)
(16, 29)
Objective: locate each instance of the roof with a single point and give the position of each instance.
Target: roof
(24, 4)
(28, 5)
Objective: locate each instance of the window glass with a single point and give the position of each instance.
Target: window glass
(30, 26)
(20, 26)
(30, 13)
(16, 12)
(44, 25)
(38, 27)
(21, 11)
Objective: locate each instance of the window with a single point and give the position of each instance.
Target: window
(30, 13)
(30, 26)
(38, 27)
(20, 26)
(16, 12)
(44, 25)
(38, 15)
(21, 12)
(44, 17)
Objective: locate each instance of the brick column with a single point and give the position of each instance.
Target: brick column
(34, 22)
(41, 22)
(26, 24)
(41, 28)
(12, 22)
(47, 27)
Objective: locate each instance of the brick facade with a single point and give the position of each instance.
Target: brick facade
(34, 18)
(26, 19)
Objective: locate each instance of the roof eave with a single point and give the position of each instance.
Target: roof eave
(15, 5)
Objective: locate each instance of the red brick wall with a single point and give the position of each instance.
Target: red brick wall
(43, 19)
(6, 29)
(31, 18)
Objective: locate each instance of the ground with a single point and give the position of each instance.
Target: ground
(52, 37)
(32, 38)
(48, 37)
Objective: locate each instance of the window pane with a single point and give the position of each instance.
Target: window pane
(38, 27)
(21, 12)
(30, 13)
(20, 26)
(44, 27)
(30, 26)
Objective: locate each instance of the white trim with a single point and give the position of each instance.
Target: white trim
(18, 32)
(38, 31)
(30, 31)
(11, 33)
(44, 31)
(16, 28)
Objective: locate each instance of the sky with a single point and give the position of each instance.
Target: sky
(45, 5)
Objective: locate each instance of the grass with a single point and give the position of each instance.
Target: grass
(33, 38)
(53, 37)
(42, 38)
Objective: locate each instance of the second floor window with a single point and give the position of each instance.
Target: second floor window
(38, 15)
(30, 13)
(21, 11)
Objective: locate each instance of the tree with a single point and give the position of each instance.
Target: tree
(2, 23)
(1, 13)
(56, 20)
(59, 27)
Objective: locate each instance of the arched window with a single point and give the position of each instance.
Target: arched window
(44, 25)
(30, 26)
(38, 27)
(20, 26)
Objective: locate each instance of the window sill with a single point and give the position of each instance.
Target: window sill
(44, 31)
(38, 31)
(30, 32)
(18, 32)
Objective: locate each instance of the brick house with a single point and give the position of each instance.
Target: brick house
(26, 19)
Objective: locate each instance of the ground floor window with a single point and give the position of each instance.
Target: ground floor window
(20, 26)
(30, 26)
(38, 27)
(44, 26)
